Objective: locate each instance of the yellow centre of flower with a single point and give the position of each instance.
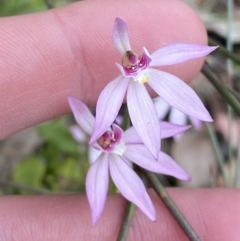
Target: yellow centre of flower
(143, 77)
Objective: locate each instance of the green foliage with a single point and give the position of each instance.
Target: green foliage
(57, 134)
(66, 160)
(16, 7)
(59, 164)
(30, 172)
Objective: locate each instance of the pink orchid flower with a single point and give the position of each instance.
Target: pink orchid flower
(136, 71)
(118, 151)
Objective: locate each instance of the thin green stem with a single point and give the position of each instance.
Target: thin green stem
(171, 206)
(224, 51)
(217, 150)
(126, 120)
(222, 89)
(49, 4)
(126, 222)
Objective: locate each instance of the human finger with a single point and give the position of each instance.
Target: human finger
(68, 51)
(213, 213)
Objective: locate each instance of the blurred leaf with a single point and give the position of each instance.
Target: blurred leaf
(57, 133)
(16, 7)
(69, 170)
(29, 172)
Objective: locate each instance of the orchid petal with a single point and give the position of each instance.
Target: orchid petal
(178, 53)
(140, 155)
(178, 94)
(196, 123)
(120, 36)
(97, 186)
(168, 129)
(108, 105)
(143, 116)
(82, 114)
(177, 117)
(78, 134)
(130, 185)
(130, 136)
(170, 167)
(162, 107)
(93, 154)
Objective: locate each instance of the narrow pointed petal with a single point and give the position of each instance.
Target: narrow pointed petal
(162, 107)
(168, 129)
(178, 94)
(130, 185)
(177, 117)
(78, 134)
(196, 123)
(139, 154)
(178, 53)
(97, 186)
(143, 116)
(108, 105)
(171, 167)
(120, 36)
(82, 114)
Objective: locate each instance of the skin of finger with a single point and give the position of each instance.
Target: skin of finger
(48, 56)
(214, 214)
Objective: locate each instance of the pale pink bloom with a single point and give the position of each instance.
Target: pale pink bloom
(175, 116)
(136, 71)
(118, 150)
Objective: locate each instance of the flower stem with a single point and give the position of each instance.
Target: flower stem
(126, 222)
(49, 4)
(126, 120)
(171, 206)
(228, 95)
(218, 151)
